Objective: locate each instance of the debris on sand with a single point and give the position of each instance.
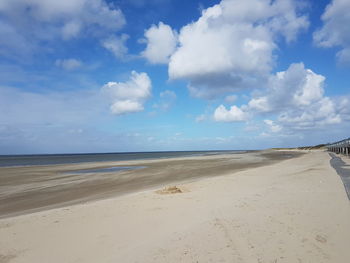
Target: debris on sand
(169, 190)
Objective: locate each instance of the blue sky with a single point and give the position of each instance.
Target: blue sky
(157, 75)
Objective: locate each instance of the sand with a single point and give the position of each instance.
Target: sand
(295, 210)
(35, 188)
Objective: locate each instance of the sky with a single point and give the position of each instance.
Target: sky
(80, 76)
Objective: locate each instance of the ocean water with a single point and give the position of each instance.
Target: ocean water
(46, 159)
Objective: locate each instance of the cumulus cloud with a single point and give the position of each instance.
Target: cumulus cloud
(126, 106)
(260, 104)
(231, 45)
(37, 20)
(221, 114)
(66, 12)
(116, 45)
(161, 42)
(335, 31)
(297, 87)
(318, 114)
(68, 64)
(129, 96)
(296, 97)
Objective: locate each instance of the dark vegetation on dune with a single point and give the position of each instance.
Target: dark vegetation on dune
(319, 146)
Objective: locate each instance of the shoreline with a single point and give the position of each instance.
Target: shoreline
(138, 156)
(36, 188)
(294, 210)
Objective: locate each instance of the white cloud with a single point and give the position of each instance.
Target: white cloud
(230, 46)
(260, 104)
(221, 114)
(126, 106)
(50, 20)
(72, 14)
(129, 96)
(295, 88)
(335, 31)
(272, 126)
(343, 108)
(116, 45)
(161, 43)
(318, 114)
(296, 96)
(68, 64)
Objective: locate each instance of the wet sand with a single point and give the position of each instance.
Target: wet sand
(34, 188)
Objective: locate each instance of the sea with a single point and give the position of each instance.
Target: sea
(50, 159)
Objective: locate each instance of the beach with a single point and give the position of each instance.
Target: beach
(271, 206)
(25, 189)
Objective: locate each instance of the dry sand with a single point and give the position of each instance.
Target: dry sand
(294, 210)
